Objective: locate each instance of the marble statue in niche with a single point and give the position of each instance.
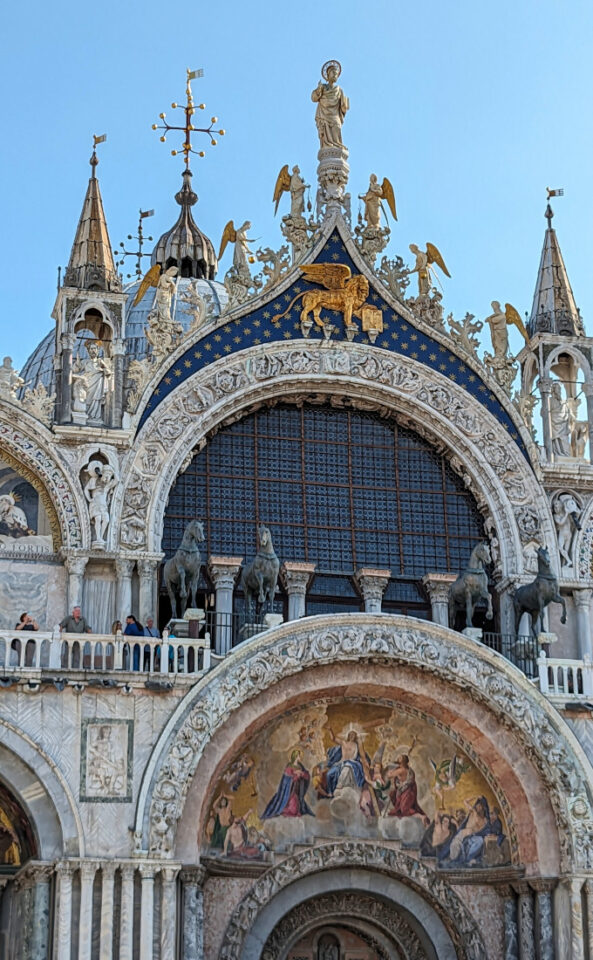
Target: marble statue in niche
(90, 385)
(98, 490)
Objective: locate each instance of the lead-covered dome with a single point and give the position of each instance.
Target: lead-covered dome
(184, 245)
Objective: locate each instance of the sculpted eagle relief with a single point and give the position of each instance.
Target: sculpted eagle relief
(343, 292)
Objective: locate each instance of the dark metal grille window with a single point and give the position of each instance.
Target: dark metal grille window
(341, 489)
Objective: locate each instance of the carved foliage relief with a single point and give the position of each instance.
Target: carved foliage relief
(351, 768)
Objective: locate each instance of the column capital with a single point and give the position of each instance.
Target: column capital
(127, 871)
(33, 873)
(76, 565)
(88, 869)
(437, 586)
(65, 868)
(147, 566)
(124, 568)
(223, 570)
(543, 884)
(108, 868)
(169, 873)
(147, 871)
(582, 597)
(372, 582)
(296, 575)
(545, 385)
(193, 875)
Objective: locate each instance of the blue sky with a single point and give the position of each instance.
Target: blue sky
(471, 110)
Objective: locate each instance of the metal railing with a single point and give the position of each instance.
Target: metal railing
(523, 651)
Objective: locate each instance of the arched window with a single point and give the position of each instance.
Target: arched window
(342, 489)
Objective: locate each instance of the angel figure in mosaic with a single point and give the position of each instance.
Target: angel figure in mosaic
(424, 266)
(372, 201)
(242, 255)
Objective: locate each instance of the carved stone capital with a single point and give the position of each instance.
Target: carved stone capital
(543, 884)
(169, 874)
(124, 568)
(437, 586)
(296, 576)
(147, 871)
(147, 568)
(65, 868)
(193, 876)
(582, 598)
(76, 565)
(372, 582)
(223, 571)
(34, 873)
(545, 386)
(88, 869)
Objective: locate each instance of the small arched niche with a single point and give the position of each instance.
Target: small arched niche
(18, 842)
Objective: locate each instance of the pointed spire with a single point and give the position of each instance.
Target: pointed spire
(184, 245)
(91, 265)
(554, 309)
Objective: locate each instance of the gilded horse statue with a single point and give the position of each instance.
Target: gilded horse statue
(471, 586)
(260, 578)
(182, 571)
(534, 597)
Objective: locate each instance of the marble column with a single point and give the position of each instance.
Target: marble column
(88, 869)
(223, 573)
(192, 879)
(577, 941)
(526, 921)
(511, 927)
(41, 903)
(589, 914)
(372, 583)
(544, 918)
(147, 571)
(296, 577)
(64, 871)
(123, 601)
(582, 602)
(588, 391)
(168, 912)
(106, 942)
(437, 587)
(545, 389)
(126, 927)
(147, 872)
(75, 567)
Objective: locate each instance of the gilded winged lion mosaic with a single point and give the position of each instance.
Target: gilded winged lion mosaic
(343, 292)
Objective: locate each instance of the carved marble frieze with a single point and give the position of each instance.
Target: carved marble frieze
(499, 476)
(36, 460)
(292, 648)
(456, 917)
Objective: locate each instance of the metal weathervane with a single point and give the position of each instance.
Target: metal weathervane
(123, 253)
(188, 127)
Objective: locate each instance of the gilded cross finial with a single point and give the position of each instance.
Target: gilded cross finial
(139, 252)
(94, 159)
(188, 127)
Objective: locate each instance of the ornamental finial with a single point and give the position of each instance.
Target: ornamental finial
(188, 127)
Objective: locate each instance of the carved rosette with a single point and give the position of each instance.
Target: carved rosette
(288, 650)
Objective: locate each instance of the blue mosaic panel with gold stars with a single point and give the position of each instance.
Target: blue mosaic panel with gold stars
(399, 336)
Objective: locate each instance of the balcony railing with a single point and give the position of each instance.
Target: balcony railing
(566, 679)
(41, 650)
(523, 651)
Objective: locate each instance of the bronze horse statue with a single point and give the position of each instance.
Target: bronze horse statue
(534, 597)
(471, 586)
(183, 569)
(260, 578)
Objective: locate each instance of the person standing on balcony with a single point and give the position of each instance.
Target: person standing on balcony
(75, 623)
(26, 622)
(150, 630)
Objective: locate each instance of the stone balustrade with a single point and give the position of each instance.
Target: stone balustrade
(31, 652)
(565, 679)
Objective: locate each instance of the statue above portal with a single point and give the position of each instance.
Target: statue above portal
(332, 106)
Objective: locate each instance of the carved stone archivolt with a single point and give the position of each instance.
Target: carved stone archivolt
(379, 639)
(393, 863)
(501, 478)
(348, 909)
(33, 456)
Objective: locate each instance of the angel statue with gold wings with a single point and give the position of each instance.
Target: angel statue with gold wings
(499, 322)
(242, 254)
(424, 266)
(294, 184)
(372, 201)
(343, 293)
(165, 289)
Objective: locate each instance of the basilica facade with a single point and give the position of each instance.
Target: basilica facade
(296, 657)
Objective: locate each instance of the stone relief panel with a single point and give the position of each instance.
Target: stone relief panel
(106, 760)
(496, 468)
(352, 768)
